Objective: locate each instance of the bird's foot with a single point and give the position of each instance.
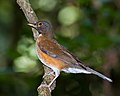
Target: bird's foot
(44, 87)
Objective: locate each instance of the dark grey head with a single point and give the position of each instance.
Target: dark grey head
(43, 27)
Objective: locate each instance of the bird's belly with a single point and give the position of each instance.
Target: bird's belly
(49, 61)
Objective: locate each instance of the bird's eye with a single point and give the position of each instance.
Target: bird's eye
(40, 23)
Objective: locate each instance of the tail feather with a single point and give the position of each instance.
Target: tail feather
(98, 74)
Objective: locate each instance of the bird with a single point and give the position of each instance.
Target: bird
(55, 56)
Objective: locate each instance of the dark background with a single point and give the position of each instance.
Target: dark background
(88, 28)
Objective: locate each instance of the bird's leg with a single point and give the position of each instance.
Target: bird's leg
(52, 81)
(49, 86)
(44, 84)
(57, 73)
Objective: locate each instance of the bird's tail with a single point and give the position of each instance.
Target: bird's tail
(98, 74)
(83, 69)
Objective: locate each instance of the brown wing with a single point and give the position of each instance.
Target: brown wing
(53, 49)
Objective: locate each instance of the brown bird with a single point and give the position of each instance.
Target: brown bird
(55, 56)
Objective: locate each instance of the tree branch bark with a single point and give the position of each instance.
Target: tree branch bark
(31, 17)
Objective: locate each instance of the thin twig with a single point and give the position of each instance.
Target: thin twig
(31, 17)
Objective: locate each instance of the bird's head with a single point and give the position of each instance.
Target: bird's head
(43, 27)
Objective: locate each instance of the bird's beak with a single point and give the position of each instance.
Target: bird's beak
(33, 25)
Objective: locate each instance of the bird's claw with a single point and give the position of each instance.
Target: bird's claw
(44, 85)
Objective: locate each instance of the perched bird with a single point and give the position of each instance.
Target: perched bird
(55, 56)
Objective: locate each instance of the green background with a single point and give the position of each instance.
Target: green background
(88, 28)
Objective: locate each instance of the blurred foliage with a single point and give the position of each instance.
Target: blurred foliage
(88, 28)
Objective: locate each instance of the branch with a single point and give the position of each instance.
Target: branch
(29, 14)
(31, 17)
